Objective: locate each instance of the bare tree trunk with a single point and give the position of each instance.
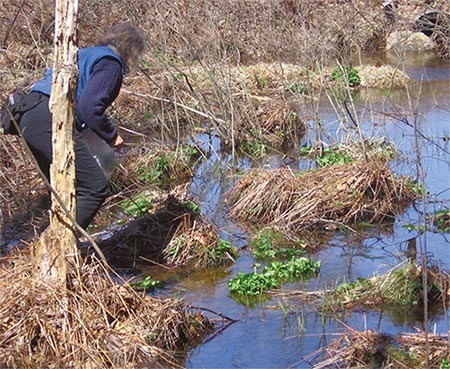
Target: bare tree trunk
(57, 249)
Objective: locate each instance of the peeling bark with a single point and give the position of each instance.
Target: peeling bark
(57, 247)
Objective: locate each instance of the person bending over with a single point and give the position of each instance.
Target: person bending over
(102, 68)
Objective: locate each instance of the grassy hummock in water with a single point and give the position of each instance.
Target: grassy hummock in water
(149, 164)
(403, 286)
(173, 233)
(343, 153)
(371, 349)
(269, 243)
(348, 193)
(442, 220)
(196, 245)
(273, 275)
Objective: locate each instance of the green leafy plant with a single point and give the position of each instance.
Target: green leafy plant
(148, 284)
(416, 187)
(152, 174)
(296, 87)
(138, 205)
(346, 74)
(91, 227)
(414, 227)
(144, 64)
(293, 269)
(329, 156)
(442, 220)
(261, 81)
(332, 157)
(223, 248)
(251, 283)
(191, 152)
(265, 245)
(445, 364)
(273, 275)
(193, 207)
(255, 147)
(411, 227)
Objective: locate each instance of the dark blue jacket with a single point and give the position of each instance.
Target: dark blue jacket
(87, 58)
(104, 69)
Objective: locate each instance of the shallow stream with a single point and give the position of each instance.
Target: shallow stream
(284, 332)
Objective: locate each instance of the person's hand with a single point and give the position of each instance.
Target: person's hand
(118, 142)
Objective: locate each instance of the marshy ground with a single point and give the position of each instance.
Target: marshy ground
(283, 174)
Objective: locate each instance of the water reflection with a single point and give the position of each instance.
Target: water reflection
(417, 122)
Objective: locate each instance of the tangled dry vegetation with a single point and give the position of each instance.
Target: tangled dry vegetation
(355, 349)
(99, 324)
(172, 235)
(241, 104)
(402, 286)
(238, 103)
(210, 62)
(213, 61)
(149, 163)
(345, 194)
(20, 184)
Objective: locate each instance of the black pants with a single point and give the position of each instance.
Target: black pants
(92, 186)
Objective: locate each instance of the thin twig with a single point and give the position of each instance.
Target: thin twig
(52, 190)
(11, 24)
(215, 313)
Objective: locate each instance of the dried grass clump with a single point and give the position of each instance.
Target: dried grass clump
(275, 75)
(346, 194)
(19, 180)
(149, 163)
(402, 286)
(384, 76)
(99, 324)
(174, 235)
(260, 78)
(355, 349)
(272, 121)
(196, 245)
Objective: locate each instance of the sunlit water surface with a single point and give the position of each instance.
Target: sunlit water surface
(285, 332)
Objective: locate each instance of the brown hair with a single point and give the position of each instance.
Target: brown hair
(127, 40)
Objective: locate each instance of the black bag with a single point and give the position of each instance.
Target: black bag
(15, 106)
